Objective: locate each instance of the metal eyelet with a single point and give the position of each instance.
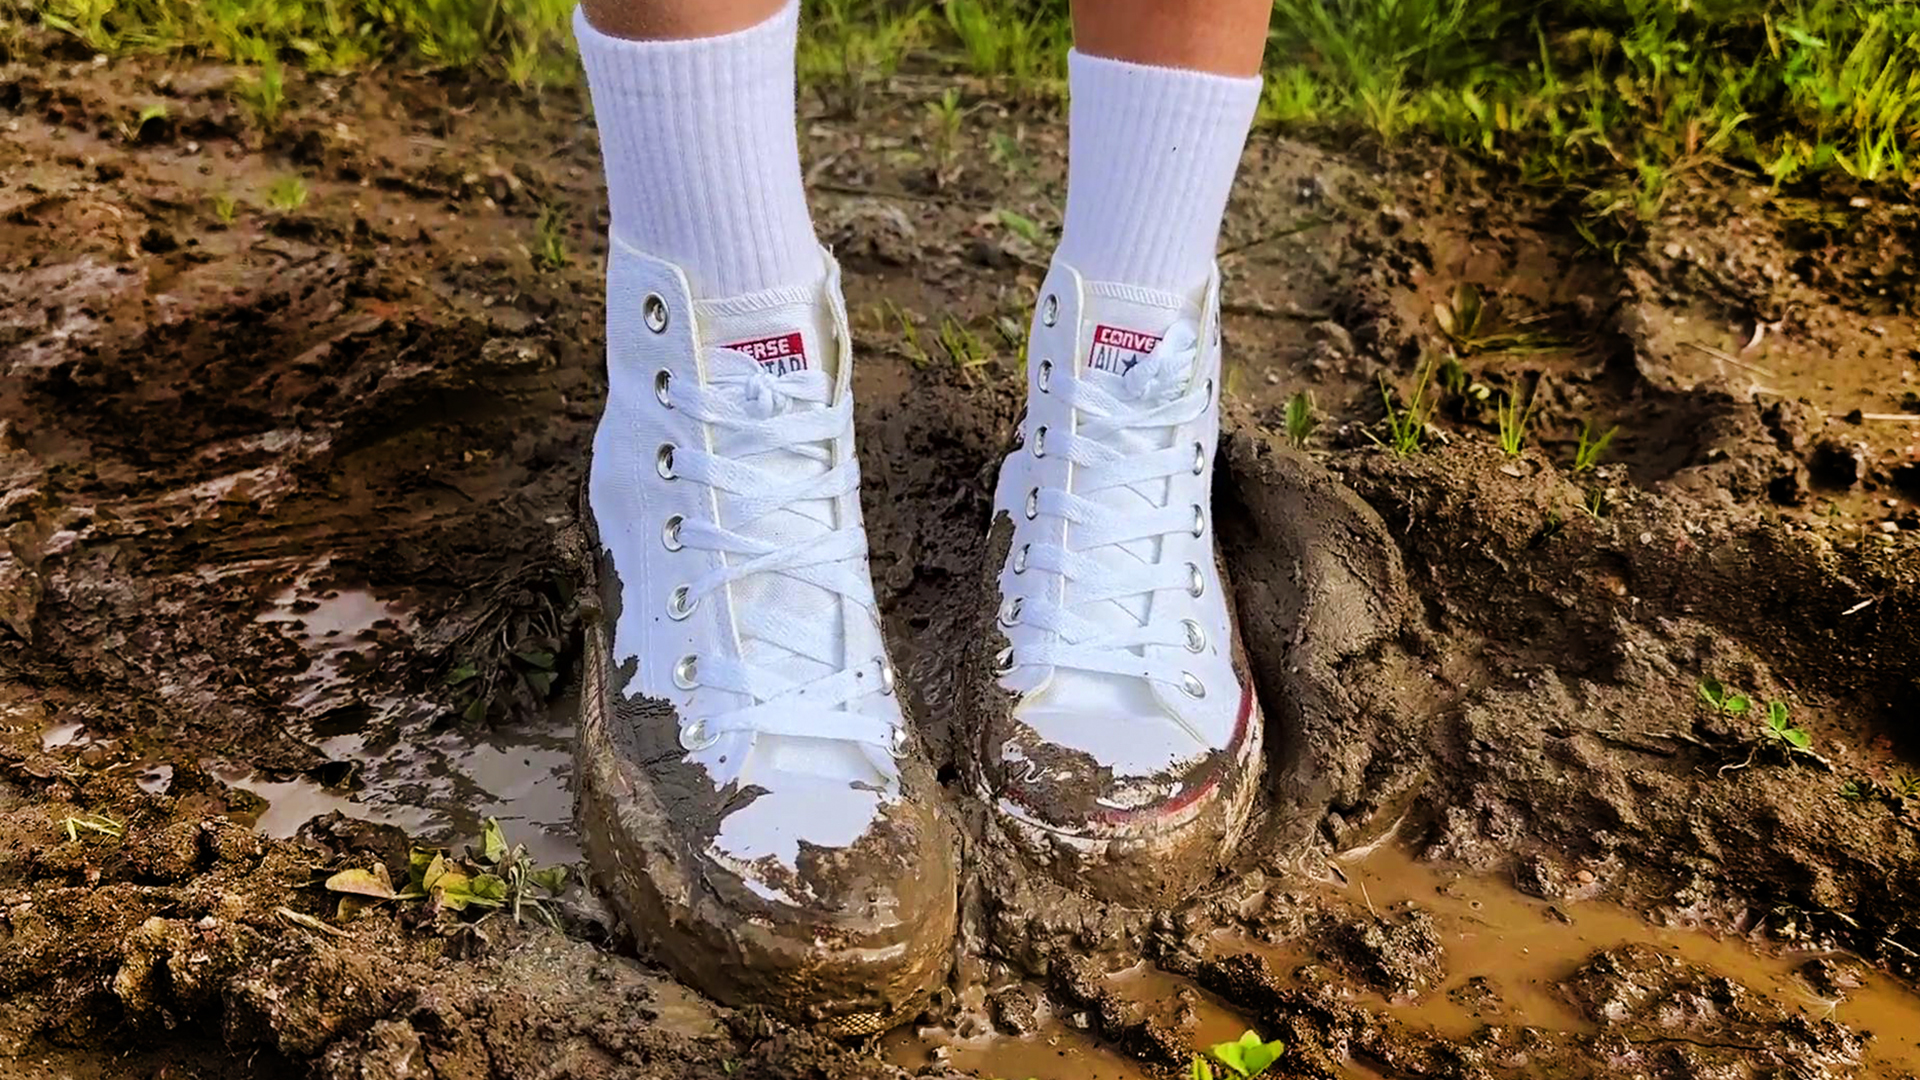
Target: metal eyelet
(670, 533)
(1046, 374)
(1010, 611)
(678, 604)
(693, 736)
(1003, 661)
(1196, 637)
(663, 462)
(1199, 458)
(1020, 558)
(655, 309)
(1050, 310)
(1195, 583)
(886, 679)
(1192, 685)
(686, 672)
(1033, 504)
(1199, 520)
(662, 381)
(1040, 441)
(902, 738)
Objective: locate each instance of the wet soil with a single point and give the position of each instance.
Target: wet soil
(279, 596)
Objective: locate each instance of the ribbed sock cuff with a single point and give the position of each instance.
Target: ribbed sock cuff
(1151, 158)
(701, 153)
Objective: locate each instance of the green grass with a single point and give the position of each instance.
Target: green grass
(1514, 419)
(1586, 456)
(287, 193)
(1301, 419)
(1619, 94)
(550, 238)
(1407, 426)
(1611, 100)
(1022, 44)
(263, 92)
(526, 42)
(855, 45)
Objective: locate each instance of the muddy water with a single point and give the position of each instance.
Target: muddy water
(399, 763)
(1506, 954)
(1494, 938)
(1525, 947)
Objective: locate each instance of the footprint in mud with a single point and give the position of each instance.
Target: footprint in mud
(1378, 964)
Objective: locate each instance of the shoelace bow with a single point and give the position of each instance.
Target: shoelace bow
(1154, 393)
(753, 412)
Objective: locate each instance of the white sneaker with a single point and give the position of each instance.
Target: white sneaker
(749, 785)
(1128, 755)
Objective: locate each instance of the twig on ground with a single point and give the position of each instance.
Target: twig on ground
(1728, 358)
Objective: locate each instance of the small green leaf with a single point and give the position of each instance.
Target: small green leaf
(1250, 1056)
(1201, 1070)
(1020, 225)
(1737, 703)
(551, 878)
(1796, 738)
(1466, 308)
(482, 890)
(1777, 715)
(436, 869)
(452, 890)
(1233, 1054)
(463, 673)
(1712, 692)
(540, 681)
(541, 660)
(372, 883)
(418, 862)
(493, 843)
(475, 711)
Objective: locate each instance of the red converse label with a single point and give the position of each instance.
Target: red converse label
(1116, 350)
(777, 355)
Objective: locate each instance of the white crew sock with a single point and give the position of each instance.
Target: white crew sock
(1151, 154)
(702, 158)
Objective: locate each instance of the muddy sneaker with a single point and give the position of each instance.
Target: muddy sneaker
(749, 788)
(1127, 756)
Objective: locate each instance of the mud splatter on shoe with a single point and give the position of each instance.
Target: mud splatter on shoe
(750, 791)
(1127, 753)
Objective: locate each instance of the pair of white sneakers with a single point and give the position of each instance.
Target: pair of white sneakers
(750, 787)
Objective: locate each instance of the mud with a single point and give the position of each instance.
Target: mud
(279, 504)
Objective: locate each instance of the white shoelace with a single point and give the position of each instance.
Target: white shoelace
(1154, 400)
(753, 412)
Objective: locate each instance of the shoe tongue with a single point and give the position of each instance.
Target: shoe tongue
(1122, 325)
(788, 334)
(781, 333)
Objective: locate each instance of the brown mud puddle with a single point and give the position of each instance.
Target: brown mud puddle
(391, 758)
(266, 484)
(1508, 960)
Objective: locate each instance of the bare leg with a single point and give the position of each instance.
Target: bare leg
(1225, 37)
(671, 20)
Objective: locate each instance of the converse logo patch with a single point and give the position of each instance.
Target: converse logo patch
(1116, 350)
(777, 355)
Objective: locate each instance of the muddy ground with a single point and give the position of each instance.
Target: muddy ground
(215, 434)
